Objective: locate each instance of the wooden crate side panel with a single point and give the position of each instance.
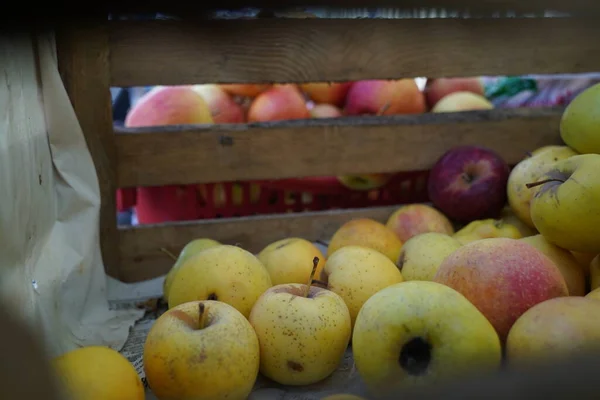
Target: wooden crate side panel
(176, 155)
(300, 50)
(141, 246)
(84, 68)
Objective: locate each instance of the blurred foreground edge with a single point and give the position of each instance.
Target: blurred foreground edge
(25, 374)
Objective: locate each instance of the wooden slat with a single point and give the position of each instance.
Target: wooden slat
(83, 64)
(323, 147)
(142, 257)
(300, 50)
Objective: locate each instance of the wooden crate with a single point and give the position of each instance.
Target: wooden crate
(95, 56)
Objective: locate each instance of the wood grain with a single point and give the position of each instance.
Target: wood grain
(300, 50)
(142, 257)
(213, 153)
(83, 64)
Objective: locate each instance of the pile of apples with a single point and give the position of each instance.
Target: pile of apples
(244, 103)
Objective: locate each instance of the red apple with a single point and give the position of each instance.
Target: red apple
(436, 89)
(325, 111)
(281, 102)
(223, 108)
(246, 90)
(325, 92)
(381, 97)
(469, 183)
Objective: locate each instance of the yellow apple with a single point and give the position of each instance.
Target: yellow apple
(554, 328)
(303, 333)
(356, 273)
(226, 273)
(595, 273)
(566, 206)
(509, 217)
(529, 170)
(421, 332)
(368, 233)
(594, 294)
(192, 248)
(97, 373)
(290, 260)
(570, 269)
(202, 350)
(485, 229)
(421, 255)
(580, 121)
(364, 181)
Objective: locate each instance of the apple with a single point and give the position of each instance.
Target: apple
(485, 229)
(303, 332)
(503, 278)
(469, 183)
(509, 217)
(529, 170)
(223, 109)
(190, 249)
(436, 89)
(201, 350)
(364, 182)
(169, 105)
(566, 206)
(422, 255)
(421, 332)
(383, 97)
(356, 273)
(554, 329)
(462, 101)
(97, 372)
(570, 269)
(413, 219)
(289, 260)
(580, 120)
(245, 90)
(225, 273)
(325, 111)
(369, 233)
(594, 294)
(326, 92)
(279, 103)
(594, 272)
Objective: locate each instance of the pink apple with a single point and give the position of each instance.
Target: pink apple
(436, 89)
(281, 102)
(469, 183)
(325, 92)
(223, 108)
(383, 97)
(325, 111)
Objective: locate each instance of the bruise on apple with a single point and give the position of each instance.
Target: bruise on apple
(295, 366)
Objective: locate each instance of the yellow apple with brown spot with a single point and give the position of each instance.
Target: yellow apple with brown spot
(570, 269)
(303, 332)
(422, 255)
(421, 333)
(226, 273)
(357, 273)
(202, 350)
(290, 260)
(368, 233)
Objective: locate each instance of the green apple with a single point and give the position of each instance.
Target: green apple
(421, 332)
(566, 207)
(580, 123)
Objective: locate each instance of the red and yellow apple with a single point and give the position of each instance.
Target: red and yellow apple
(503, 278)
(325, 110)
(281, 102)
(326, 92)
(246, 90)
(223, 108)
(383, 97)
(414, 219)
(436, 89)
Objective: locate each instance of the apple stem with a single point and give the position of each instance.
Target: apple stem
(167, 252)
(383, 109)
(202, 312)
(534, 184)
(312, 275)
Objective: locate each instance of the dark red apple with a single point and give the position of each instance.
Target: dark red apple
(469, 183)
